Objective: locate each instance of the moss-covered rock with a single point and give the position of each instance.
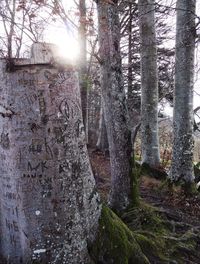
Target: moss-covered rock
(115, 242)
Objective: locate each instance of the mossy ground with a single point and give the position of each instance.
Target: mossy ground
(163, 229)
(157, 237)
(143, 236)
(115, 242)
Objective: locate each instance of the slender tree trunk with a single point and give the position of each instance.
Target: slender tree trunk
(102, 142)
(130, 59)
(48, 203)
(83, 65)
(10, 31)
(149, 82)
(134, 112)
(182, 167)
(114, 104)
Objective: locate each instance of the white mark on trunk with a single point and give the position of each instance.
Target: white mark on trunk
(38, 251)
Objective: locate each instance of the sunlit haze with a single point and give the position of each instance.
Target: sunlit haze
(66, 42)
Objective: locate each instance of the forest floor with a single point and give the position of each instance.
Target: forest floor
(180, 212)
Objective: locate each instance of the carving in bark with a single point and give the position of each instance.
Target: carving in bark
(182, 157)
(49, 206)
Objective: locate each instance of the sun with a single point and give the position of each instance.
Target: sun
(68, 47)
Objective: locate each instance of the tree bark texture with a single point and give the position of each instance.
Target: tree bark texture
(149, 83)
(83, 65)
(49, 206)
(182, 167)
(114, 104)
(102, 142)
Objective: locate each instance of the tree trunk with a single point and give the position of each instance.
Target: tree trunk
(102, 142)
(114, 104)
(182, 157)
(83, 65)
(149, 82)
(130, 59)
(49, 206)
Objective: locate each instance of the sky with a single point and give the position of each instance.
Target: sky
(67, 41)
(65, 37)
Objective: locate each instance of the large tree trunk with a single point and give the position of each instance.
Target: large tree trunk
(149, 82)
(83, 65)
(114, 104)
(49, 206)
(182, 167)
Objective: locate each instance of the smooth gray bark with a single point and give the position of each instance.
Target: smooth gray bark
(149, 83)
(114, 104)
(102, 142)
(182, 157)
(49, 206)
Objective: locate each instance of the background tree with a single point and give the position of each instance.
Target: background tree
(149, 83)
(102, 142)
(182, 158)
(114, 103)
(83, 63)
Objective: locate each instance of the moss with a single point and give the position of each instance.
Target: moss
(147, 238)
(115, 242)
(145, 217)
(152, 246)
(158, 240)
(137, 157)
(183, 246)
